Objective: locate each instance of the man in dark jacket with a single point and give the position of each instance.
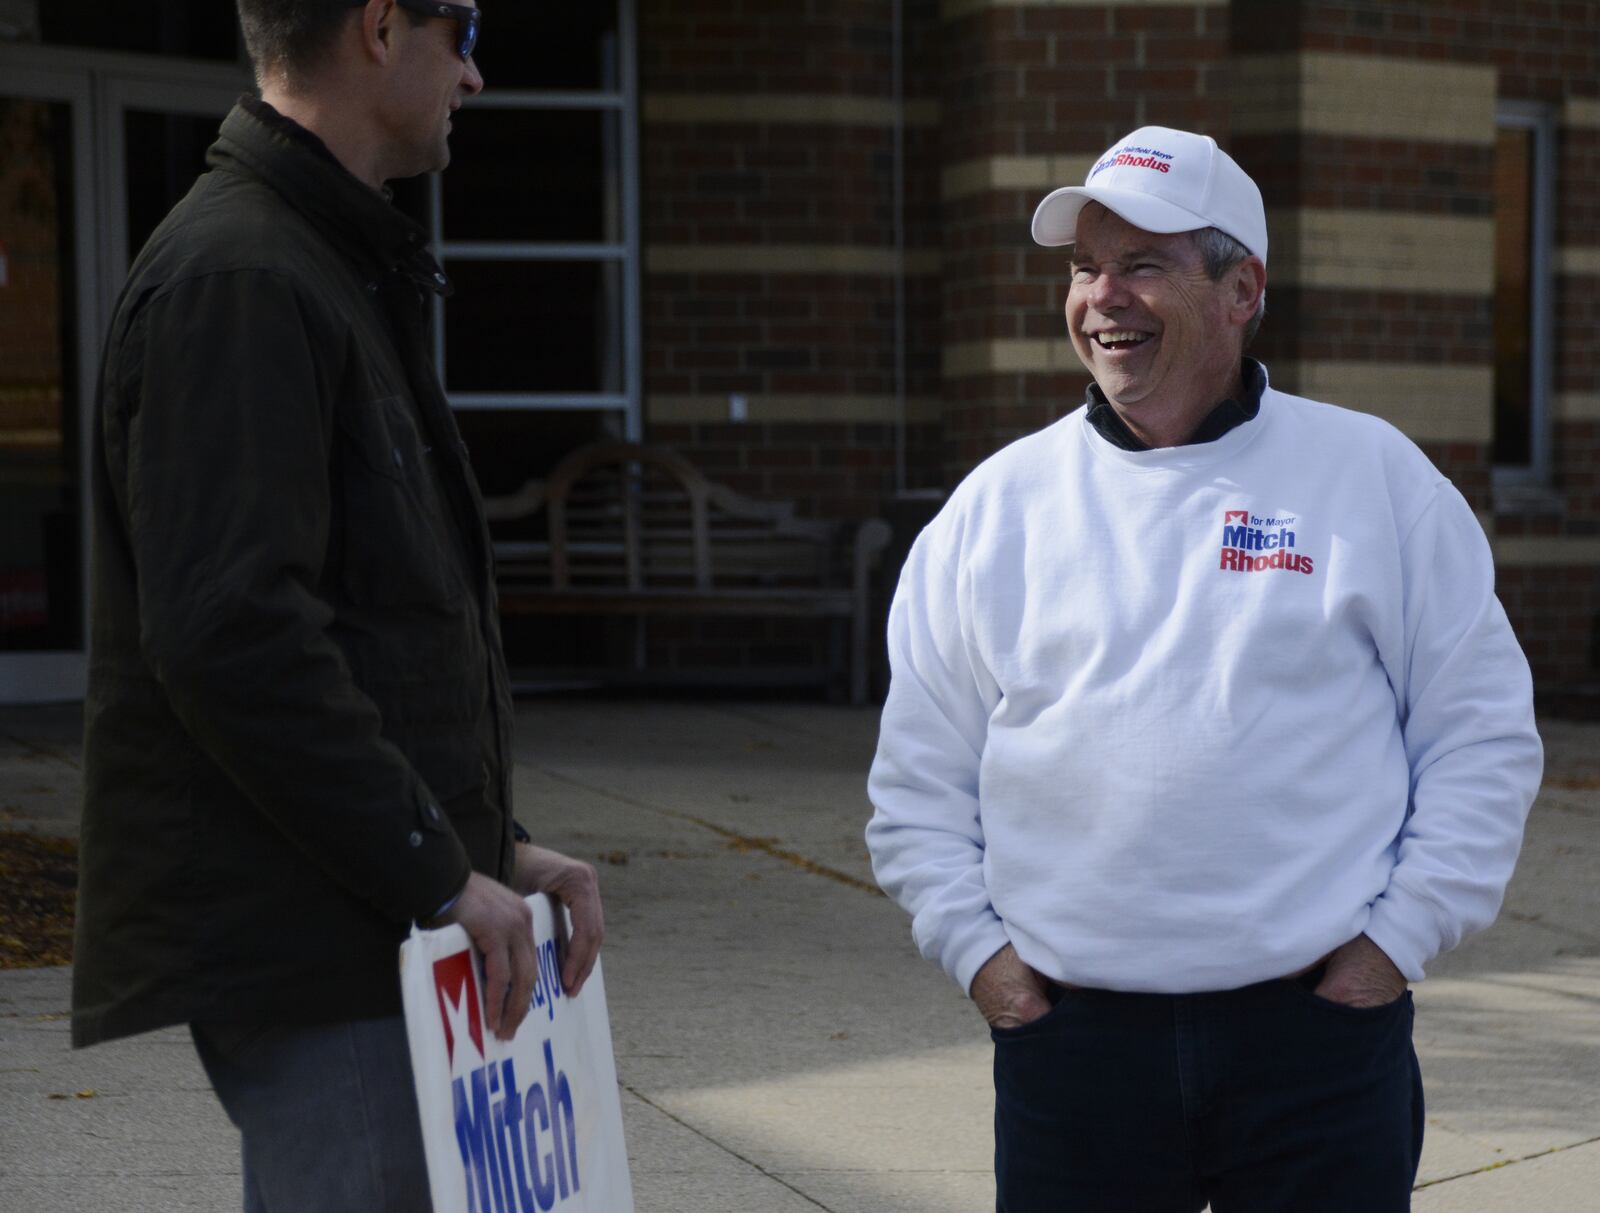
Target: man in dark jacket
(298, 724)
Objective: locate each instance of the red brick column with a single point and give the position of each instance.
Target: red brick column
(770, 245)
(1373, 124)
(772, 271)
(1030, 95)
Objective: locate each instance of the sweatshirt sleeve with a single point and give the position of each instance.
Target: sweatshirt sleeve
(220, 461)
(1466, 710)
(926, 831)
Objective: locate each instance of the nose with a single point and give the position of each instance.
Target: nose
(471, 78)
(1107, 292)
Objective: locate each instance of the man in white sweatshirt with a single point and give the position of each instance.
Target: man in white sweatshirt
(1206, 733)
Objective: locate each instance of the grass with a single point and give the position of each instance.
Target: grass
(38, 886)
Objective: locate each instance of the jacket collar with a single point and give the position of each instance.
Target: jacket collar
(1233, 411)
(256, 140)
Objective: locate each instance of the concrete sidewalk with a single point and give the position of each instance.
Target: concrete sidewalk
(780, 1045)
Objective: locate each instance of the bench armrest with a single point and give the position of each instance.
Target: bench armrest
(871, 538)
(524, 503)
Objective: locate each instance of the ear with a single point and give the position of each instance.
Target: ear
(377, 30)
(1247, 281)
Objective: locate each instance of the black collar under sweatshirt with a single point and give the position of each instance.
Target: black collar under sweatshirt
(1235, 410)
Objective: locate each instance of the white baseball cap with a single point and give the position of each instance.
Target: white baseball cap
(1162, 180)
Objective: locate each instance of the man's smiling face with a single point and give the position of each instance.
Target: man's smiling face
(1153, 328)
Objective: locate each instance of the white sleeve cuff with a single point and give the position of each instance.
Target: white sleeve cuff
(963, 957)
(1406, 927)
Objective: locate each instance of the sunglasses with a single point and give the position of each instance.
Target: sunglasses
(466, 19)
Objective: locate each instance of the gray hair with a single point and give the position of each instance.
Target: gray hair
(1219, 253)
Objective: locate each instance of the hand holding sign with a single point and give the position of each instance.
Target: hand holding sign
(500, 926)
(535, 1122)
(574, 885)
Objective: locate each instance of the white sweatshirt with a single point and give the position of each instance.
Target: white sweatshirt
(1189, 718)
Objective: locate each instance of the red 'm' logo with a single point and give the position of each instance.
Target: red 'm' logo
(455, 983)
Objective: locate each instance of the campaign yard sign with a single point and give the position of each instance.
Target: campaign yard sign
(520, 1126)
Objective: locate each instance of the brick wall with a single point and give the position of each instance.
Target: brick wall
(769, 227)
(1029, 96)
(1576, 321)
(1344, 145)
(772, 274)
(1554, 609)
(806, 344)
(768, 138)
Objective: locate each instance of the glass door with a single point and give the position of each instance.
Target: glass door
(155, 131)
(48, 309)
(94, 150)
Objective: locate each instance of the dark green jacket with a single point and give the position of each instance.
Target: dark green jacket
(298, 725)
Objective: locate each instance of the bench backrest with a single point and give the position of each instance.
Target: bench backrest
(626, 516)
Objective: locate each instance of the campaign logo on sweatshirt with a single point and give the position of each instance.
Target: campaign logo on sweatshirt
(1254, 544)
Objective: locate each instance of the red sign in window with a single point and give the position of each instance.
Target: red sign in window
(24, 601)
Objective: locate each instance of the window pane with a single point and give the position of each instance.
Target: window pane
(574, 197)
(412, 196)
(549, 46)
(196, 29)
(1513, 297)
(39, 515)
(511, 446)
(165, 153)
(534, 326)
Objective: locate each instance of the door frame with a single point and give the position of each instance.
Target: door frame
(100, 87)
(115, 95)
(60, 674)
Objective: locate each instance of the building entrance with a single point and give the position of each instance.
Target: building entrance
(94, 149)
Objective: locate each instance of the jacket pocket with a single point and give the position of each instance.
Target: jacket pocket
(398, 543)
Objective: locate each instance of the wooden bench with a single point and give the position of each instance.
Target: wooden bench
(639, 531)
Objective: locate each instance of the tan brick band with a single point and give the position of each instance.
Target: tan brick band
(30, 437)
(1040, 173)
(967, 359)
(1577, 406)
(789, 408)
(1337, 249)
(1318, 92)
(809, 109)
(1581, 111)
(30, 405)
(1578, 261)
(1427, 403)
(1381, 250)
(1545, 551)
(949, 10)
(788, 259)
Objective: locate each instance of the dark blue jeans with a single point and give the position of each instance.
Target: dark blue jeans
(1266, 1099)
(327, 1114)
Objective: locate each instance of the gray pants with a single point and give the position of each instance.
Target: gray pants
(328, 1114)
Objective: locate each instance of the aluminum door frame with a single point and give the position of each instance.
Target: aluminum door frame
(56, 675)
(100, 86)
